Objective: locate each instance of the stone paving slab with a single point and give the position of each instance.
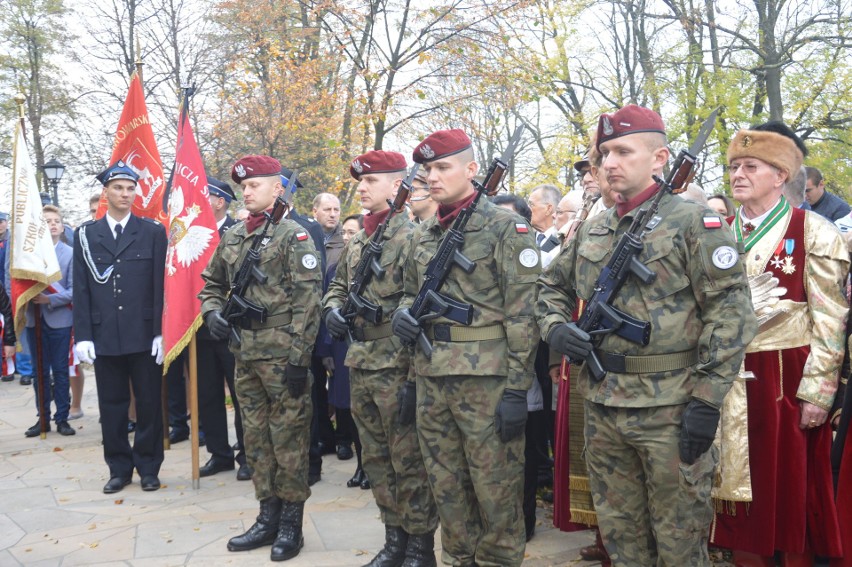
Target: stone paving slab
(54, 513)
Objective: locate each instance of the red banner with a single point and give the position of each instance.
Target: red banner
(135, 145)
(192, 239)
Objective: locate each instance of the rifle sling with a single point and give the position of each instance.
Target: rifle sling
(372, 333)
(463, 334)
(623, 364)
(278, 320)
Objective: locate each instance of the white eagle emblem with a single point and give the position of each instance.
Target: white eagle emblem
(607, 126)
(356, 165)
(427, 151)
(186, 241)
(240, 170)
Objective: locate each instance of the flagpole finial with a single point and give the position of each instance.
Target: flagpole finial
(20, 99)
(139, 59)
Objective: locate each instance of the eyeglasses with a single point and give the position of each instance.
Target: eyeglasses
(563, 212)
(418, 199)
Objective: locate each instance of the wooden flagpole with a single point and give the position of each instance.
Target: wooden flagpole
(193, 408)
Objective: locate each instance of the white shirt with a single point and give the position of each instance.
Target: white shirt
(756, 221)
(112, 223)
(547, 257)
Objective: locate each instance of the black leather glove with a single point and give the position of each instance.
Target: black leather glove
(570, 340)
(407, 398)
(336, 324)
(296, 378)
(217, 325)
(697, 430)
(511, 417)
(405, 326)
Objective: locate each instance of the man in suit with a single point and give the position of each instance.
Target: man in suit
(54, 309)
(119, 262)
(215, 363)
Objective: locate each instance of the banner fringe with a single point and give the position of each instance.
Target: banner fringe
(181, 344)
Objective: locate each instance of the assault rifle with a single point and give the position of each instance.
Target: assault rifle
(600, 318)
(430, 303)
(238, 309)
(368, 266)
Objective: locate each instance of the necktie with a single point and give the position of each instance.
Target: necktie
(117, 232)
(539, 239)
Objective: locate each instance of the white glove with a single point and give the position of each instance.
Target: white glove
(157, 349)
(85, 351)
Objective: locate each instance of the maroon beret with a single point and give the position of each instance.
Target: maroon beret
(441, 144)
(630, 119)
(255, 166)
(377, 161)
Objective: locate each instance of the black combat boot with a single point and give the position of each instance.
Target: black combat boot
(289, 540)
(420, 551)
(393, 553)
(264, 529)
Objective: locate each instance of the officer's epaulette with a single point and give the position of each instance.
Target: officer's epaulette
(87, 223)
(150, 220)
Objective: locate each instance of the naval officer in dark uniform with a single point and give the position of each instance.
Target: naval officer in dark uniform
(119, 262)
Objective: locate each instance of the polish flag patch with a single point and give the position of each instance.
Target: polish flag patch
(301, 236)
(521, 228)
(712, 222)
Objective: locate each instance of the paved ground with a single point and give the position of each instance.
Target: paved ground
(52, 510)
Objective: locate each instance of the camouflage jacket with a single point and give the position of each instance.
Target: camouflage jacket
(292, 266)
(501, 290)
(385, 292)
(699, 300)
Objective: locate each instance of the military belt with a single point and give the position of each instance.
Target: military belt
(623, 364)
(278, 320)
(372, 333)
(463, 334)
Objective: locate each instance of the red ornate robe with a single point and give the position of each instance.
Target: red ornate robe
(792, 507)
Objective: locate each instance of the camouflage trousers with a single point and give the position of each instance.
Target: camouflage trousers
(276, 430)
(652, 508)
(477, 480)
(391, 455)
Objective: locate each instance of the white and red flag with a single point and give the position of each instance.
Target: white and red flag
(33, 265)
(134, 144)
(192, 239)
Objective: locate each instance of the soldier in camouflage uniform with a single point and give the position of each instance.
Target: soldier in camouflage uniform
(379, 364)
(272, 362)
(649, 424)
(471, 395)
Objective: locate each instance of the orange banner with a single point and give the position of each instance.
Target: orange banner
(134, 144)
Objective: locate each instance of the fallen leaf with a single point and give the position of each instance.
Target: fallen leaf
(57, 449)
(119, 501)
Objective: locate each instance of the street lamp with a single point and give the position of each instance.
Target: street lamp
(54, 170)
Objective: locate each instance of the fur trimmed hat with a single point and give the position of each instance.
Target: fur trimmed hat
(776, 149)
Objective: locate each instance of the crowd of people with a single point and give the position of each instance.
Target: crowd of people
(696, 414)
